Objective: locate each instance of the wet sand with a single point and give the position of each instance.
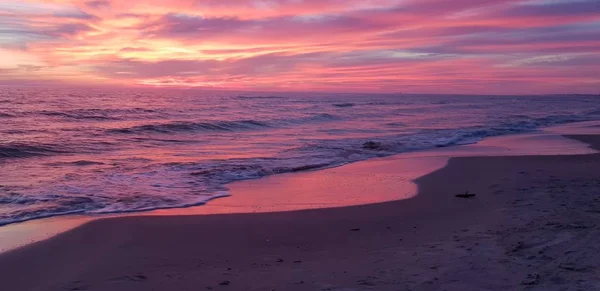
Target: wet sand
(533, 225)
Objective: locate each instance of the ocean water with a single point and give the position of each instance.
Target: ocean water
(65, 151)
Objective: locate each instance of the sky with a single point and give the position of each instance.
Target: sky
(420, 46)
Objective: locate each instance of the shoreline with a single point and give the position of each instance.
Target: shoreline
(513, 235)
(560, 130)
(246, 193)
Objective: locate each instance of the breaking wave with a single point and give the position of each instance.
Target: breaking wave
(183, 126)
(21, 150)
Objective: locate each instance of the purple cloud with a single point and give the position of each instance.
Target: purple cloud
(97, 4)
(570, 8)
(172, 25)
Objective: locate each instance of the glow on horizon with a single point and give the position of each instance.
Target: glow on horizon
(460, 46)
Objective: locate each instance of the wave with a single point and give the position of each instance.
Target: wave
(87, 114)
(223, 126)
(75, 163)
(320, 117)
(259, 97)
(21, 150)
(96, 114)
(351, 150)
(186, 126)
(344, 105)
(309, 167)
(65, 205)
(443, 138)
(210, 180)
(6, 115)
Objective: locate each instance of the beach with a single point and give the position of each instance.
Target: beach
(294, 145)
(532, 226)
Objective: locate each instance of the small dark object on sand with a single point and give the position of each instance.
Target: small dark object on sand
(465, 195)
(355, 229)
(224, 283)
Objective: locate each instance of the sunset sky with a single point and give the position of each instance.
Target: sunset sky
(428, 46)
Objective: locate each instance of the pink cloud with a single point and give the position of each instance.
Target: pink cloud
(469, 45)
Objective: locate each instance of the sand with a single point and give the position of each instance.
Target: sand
(533, 226)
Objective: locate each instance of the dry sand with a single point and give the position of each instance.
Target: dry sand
(533, 225)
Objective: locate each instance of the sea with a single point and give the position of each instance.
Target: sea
(90, 151)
